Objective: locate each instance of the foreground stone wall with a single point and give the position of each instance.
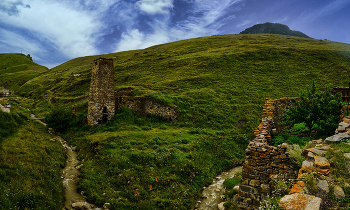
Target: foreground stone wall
(101, 96)
(264, 163)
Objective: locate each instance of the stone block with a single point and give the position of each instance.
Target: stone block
(321, 162)
(323, 185)
(298, 201)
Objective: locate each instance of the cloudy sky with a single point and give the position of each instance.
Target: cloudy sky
(54, 31)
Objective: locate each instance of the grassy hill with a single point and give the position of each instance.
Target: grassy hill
(273, 28)
(16, 69)
(219, 85)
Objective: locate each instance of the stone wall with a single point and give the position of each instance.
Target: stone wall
(101, 96)
(264, 163)
(143, 106)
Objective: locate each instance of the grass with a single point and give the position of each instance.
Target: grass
(219, 85)
(30, 169)
(16, 69)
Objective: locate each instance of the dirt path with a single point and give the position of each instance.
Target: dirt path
(5, 109)
(70, 173)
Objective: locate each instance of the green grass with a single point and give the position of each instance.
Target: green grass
(219, 85)
(30, 169)
(16, 69)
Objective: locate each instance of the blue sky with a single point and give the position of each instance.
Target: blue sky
(55, 31)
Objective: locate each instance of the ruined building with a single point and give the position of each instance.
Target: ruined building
(101, 96)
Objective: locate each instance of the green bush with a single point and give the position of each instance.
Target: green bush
(60, 119)
(315, 107)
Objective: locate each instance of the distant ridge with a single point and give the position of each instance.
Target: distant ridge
(273, 28)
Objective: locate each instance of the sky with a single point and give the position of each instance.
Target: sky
(55, 31)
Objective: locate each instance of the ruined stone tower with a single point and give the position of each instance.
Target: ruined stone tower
(101, 96)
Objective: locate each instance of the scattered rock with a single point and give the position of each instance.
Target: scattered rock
(307, 163)
(338, 137)
(348, 168)
(347, 155)
(78, 205)
(323, 185)
(221, 206)
(298, 187)
(236, 188)
(321, 162)
(106, 205)
(339, 192)
(298, 201)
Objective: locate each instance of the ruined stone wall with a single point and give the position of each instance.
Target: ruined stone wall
(143, 106)
(101, 97)
(264, 163)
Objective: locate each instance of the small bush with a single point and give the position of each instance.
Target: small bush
(295, 154)
(60, 119)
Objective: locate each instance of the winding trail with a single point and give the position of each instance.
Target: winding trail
(70, 173)
(212, 194)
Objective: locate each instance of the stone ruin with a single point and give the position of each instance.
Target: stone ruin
(264, 163)
(104, 101)
(101, 97)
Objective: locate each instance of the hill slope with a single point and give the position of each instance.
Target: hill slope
(219, 84)
(273, 28)
(16, 69)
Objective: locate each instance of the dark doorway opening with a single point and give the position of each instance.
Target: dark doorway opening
(104, 115)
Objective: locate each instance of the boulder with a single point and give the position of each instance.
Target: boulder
(315, 151)
(323, 185)
(338, 137)
(307, 163)
(298, 201)
(339, 192)
(221, 206)
(321, 162)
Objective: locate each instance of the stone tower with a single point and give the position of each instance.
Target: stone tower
(101, 96)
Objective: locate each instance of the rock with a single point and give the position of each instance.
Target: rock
(236, 188)
(339, 192)
(348, 168)
(307, 163)
(322, 147)
(338, 137)
(78, 205)
(347, 155)
(321, 162)
(323, 185)
(298, 201)
(298, 187)
(221, 206)
(106, 205)
(315, 151)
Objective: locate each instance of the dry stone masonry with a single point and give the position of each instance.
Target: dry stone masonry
(101, 97)
(104, 101)
(264, 163)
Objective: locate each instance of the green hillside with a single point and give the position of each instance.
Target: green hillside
(219, 85)
(16, 69)
(273, 28)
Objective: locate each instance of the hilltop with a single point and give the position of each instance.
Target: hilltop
(273, 28)
(16, 69)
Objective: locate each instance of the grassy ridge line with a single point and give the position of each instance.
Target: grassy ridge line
(16, 69)
(30, 165)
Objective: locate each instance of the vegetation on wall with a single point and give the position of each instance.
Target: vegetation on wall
(319, 110)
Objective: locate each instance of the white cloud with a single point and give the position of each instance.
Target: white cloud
(205, 20)
(155, 6)
(244, 23)
(71, 30)
(10, 6)
(18, 43)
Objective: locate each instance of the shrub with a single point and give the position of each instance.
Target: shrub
(321, 108)
(295, 154)
(60, 119)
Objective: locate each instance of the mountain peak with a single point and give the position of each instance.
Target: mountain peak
(273, 28)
